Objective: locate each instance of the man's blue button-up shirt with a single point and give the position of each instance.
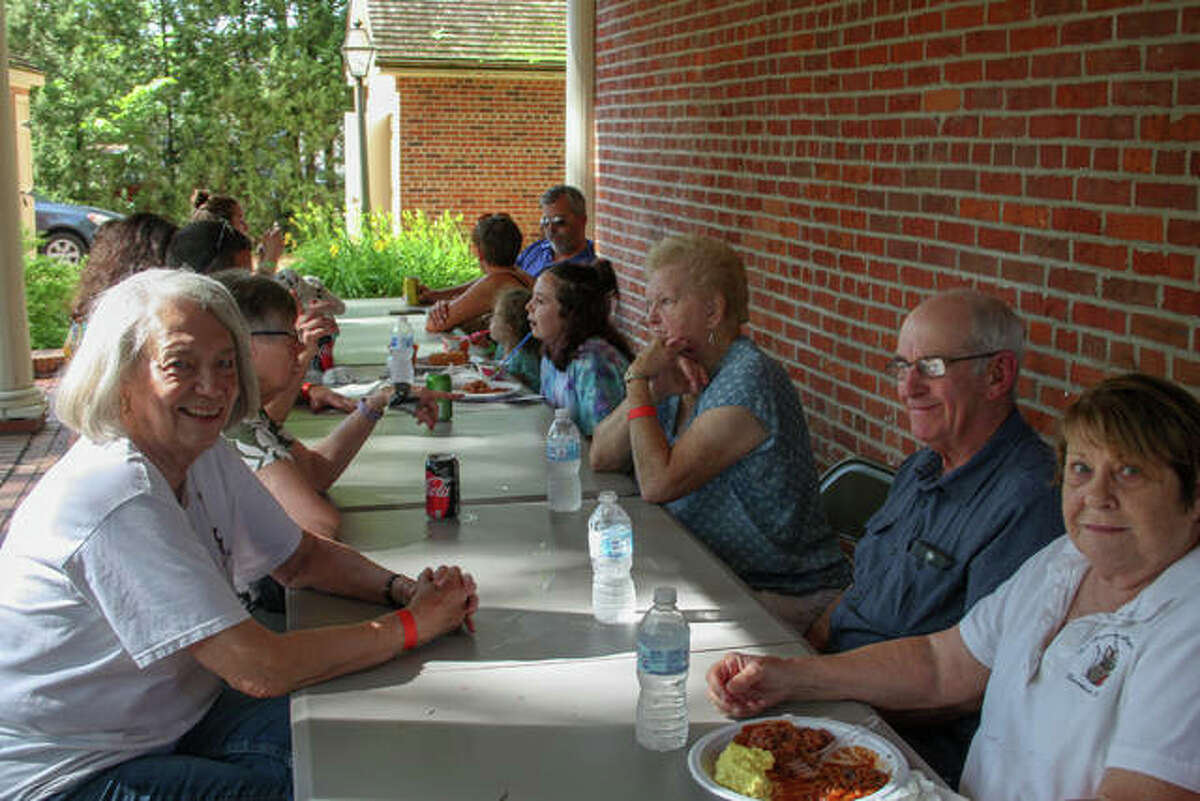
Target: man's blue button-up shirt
(941, 542)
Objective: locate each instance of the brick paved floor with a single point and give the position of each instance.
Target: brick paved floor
(24, 458)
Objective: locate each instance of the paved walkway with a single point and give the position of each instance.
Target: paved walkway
(24, 458)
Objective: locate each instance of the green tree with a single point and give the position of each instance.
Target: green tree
(147, 99)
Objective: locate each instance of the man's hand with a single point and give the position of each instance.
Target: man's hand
(741, 685)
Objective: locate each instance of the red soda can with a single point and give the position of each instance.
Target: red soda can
(441, 485)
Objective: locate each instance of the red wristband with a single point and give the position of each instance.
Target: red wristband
(304, 390)
(642, 411)
(409, 623)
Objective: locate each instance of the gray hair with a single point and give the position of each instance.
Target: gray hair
(574, 198)
(88, 399)
(994, 325)
(711, 266)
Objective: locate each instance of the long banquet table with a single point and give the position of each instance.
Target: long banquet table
(539, 703)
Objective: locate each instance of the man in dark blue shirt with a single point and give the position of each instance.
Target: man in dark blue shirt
(965, 511)
(564, 227)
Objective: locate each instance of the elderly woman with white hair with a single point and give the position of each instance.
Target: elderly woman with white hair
(715, 431)
(128, 666)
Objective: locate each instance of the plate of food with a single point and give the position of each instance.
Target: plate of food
(443, 358)
(479, 390)
(793, 758)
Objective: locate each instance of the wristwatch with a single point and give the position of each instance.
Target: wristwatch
(387, 592)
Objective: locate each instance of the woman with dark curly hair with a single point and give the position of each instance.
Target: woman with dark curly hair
(583, 356)
(120, 249)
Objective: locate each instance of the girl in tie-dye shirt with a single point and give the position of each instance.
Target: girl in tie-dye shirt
(583, 356)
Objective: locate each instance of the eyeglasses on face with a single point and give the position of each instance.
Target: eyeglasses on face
(556, 220)
(931, 366)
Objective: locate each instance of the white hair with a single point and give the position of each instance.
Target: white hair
(994, 325)
(88, 398)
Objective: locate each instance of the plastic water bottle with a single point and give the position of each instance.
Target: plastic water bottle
(400, 356)
(610, 546)
(662, 664)
(563, 492)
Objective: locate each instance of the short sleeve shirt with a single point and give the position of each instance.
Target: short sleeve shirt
(1110, 690)
(105, 580)
(762, 515)
(540, 255)
(525, 365)
(940, 542)
(591, 386)
(260, 441)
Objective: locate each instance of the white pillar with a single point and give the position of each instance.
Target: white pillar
(581, 99)
(19, 398)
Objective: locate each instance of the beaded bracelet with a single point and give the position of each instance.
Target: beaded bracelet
(387, 592)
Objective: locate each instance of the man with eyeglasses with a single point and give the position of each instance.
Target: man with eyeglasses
(564, 232)
(965, 511)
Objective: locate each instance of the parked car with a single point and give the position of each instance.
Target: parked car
(65, 230)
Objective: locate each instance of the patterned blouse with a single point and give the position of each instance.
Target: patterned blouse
(592, 385)
(762, 515)
(526, 366)
(260, 441)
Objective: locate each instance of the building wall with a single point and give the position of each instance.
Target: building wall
(20, 82)
(862, 155)
(477, 143)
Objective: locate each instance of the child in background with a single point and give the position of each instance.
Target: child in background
(509, 325)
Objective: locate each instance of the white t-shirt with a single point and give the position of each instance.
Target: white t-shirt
(1112, 690)
(105, 579)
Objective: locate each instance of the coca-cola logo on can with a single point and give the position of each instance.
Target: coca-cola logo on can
(441, 486)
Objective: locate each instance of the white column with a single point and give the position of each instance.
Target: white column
(581, 99)
(19, 398)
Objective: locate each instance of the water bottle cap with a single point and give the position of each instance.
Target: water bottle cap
(608, 496)
(561, 413)
(664, 596)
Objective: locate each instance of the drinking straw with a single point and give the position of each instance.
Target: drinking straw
(504, 364)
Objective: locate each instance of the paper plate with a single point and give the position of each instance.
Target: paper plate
(702, 758)
(509, 389)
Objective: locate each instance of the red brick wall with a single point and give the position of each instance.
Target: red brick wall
(862, 155)
(477, 144)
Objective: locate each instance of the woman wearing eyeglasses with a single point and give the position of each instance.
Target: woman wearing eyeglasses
(297, 475)
(715, 431)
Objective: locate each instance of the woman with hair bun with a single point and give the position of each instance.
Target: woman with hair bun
(583, 356)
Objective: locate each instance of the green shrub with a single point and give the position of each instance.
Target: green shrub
(49, 288)
(374, 265)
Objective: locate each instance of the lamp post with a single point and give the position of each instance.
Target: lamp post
(359, 52)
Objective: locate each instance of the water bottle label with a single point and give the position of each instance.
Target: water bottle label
(562, 451)
(617, 542)
(662, 662)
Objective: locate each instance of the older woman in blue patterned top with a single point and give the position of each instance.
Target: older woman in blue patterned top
(583, 356)
(715, 430)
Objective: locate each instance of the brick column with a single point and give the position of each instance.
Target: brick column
(21, 403)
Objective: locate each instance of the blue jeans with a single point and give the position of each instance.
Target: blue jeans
(242, 749)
